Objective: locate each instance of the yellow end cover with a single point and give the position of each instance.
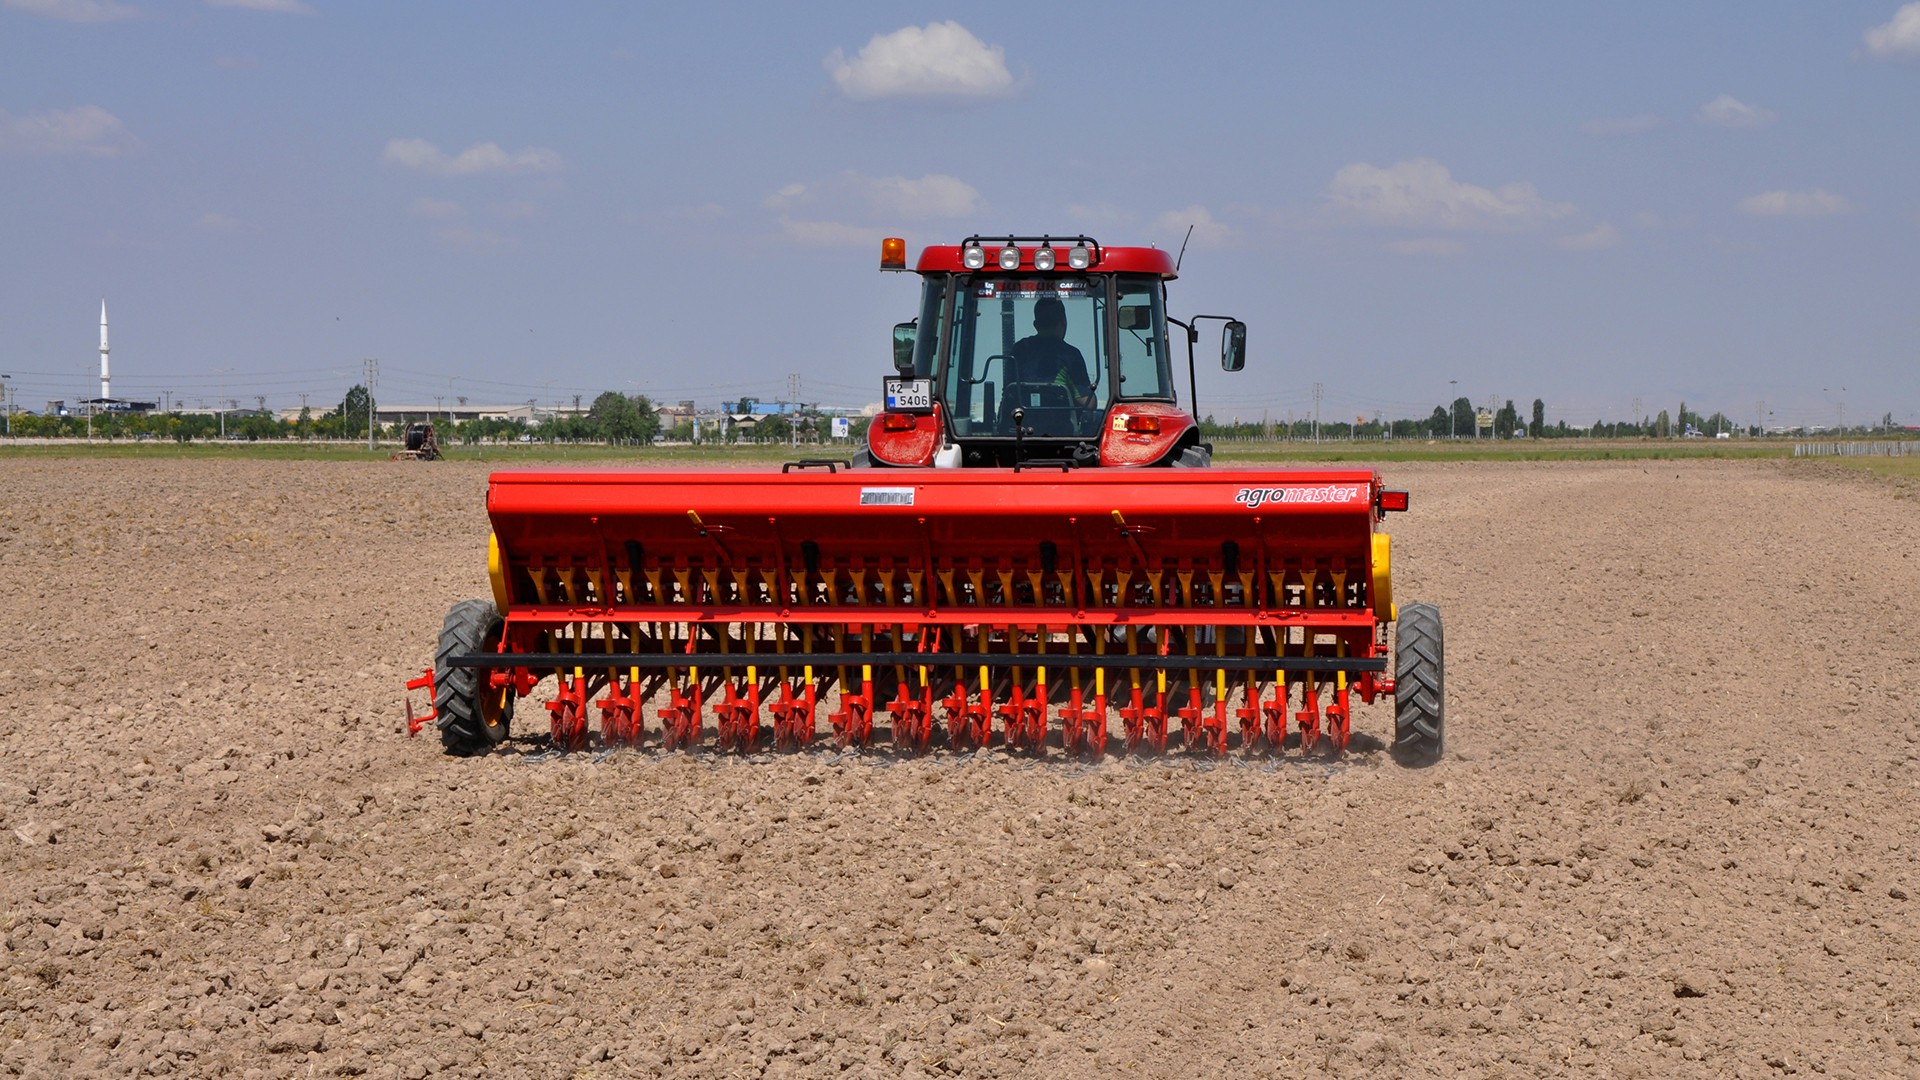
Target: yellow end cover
(497, 573)
(1383, 578)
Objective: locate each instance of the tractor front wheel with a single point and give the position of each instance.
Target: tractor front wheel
(1419, 686)
(473, 718)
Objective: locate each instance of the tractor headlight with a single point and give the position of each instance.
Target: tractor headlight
(1043, 259)
(1009, 258)
(973, 257)
(1079, 257)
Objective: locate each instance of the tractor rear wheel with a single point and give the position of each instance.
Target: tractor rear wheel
(473, 718)
(1419, 686)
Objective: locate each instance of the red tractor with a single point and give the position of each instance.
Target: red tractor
(1055, 352)
(1014, 564)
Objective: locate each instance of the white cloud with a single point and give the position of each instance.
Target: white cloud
(88, 130)
(479, 158)
(1601, 236)
(468, 238)
(287, 7)
(1435, 246)
(893, 198)
(1900, 37)
(436, 209)
(932, 196)
(1423, 194)
(77, 11)
(514, 211)
(1730, 112)
(1815, 203)
(213, 222)
(829, 233)
(939, 60)
(852, 209)
(790, 195)
(1174, 223)
(1622, 125)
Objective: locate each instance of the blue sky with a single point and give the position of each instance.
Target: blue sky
(1589, 204)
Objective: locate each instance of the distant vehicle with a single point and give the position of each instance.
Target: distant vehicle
(421, 445)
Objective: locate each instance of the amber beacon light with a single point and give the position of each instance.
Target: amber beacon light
(893, 253)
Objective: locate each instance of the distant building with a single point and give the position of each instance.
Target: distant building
(402, 412)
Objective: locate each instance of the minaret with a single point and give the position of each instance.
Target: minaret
(106, 383)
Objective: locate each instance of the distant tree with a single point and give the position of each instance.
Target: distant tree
(1437, 423)
(646, 419)
(354, 410)
(1505, 421)
(745, 405)
(613, 417)
(775, 428)
(259, 425)
(1539, 425)
(617, 418)
(1463, 418)
(303, 427)
(1662, 426)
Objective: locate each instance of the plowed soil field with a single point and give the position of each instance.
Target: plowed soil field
(1674, 834)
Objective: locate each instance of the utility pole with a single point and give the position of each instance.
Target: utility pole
(217, 402)
(793, 415)
(373, 372)
(1316, 412)
(1453, 414)
(8, 402)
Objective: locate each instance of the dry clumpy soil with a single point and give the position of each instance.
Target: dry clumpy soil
(1674, 833)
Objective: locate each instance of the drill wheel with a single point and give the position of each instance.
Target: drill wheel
(1419, 686)
(473, 718)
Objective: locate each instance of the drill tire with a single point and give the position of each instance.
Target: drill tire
(1419, 686)
(468, 724)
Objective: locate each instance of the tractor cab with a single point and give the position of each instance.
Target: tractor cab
(1032, 350)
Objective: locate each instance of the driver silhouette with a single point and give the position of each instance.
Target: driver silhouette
(1046, 358)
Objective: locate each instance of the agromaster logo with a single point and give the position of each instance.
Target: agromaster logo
(1253, 498)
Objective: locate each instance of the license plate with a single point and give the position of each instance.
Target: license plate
(909, 395)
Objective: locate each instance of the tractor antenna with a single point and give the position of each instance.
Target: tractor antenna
(1183, 250)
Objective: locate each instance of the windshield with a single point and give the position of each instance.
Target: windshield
(1033, 344)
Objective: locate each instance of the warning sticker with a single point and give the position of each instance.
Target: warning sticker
(886, 496)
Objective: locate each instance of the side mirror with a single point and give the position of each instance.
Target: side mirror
(903, 334)
(1233, 346)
